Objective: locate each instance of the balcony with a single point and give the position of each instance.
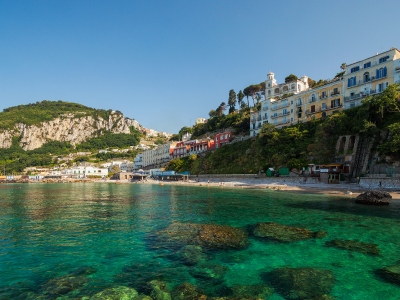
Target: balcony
(280, 115)
(280, 106)
(259, 118)
(321, 109)
(264, 117)
(397, 69)
(323, 97)
(335, 93)
(299, 104)
(366, 80)
(362, 67)
(265, 108)
(361, 95)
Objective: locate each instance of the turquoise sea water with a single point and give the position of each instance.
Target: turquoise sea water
(50, 230)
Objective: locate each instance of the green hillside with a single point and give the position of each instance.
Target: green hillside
(34, 113)
(296, 146)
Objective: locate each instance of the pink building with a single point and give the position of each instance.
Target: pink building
(221, 139)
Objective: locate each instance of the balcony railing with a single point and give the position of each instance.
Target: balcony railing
(362, 67)
(264, 117)
(299, 104)
(280, 106)
(366, 80)
(335, 93)
(280, 115)
(361, 95)
(259, 118)
(323, 97)
(320, 109)
(265, 108)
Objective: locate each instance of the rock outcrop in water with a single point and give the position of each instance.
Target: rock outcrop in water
(283, 233)
(366, 248)
(209, 236)
(374, 198)
(210, 272)
(301, 283)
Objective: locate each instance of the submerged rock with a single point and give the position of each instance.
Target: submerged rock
(283, 233)
(63, 285)
(301, 283)
(159, 290)
(391, 273)
(357, 246)
(210, 236)
(210, 272)
(252, 291)
(191, 255)
(116, 293)
(320, 234)
(187, 291)
(374, 198)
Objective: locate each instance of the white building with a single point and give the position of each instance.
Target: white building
(396, 71)
(274, 90)
(115, 163)
(84, 172)
(138, 161)
(103, 151)
(187, 136)
(142, 147)
(127, 166)
(148, 158)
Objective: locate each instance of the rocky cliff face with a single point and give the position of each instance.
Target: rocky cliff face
(65, 129)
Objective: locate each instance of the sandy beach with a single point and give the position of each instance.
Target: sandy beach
(350, 190)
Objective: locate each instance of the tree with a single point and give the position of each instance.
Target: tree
(212, 113)
(221, 108)
(343, 66)
(311, 82)
(252, 90)
(240, 97)
(291, 78)
(232, 98)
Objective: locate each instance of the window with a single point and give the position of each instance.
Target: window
(254, 118)
(380, 73)
(266, 115)
(275, 114)
(366, 77)
(284, 112)
(355, 69)
(276, 91)
(335, 103)
(312, 97)
(226, 136)
(291, 119)
(323, 105)
(323, 94)
(275, 106)
(352, 105)
(222, 137)
(299, 115)
(299, 101)
(284, 103)
(335, 91)
(383, 59)
(367, 65)
(352, 81)
(269, 85)
(324, 114)
(216, 138)
(313, 117)
(291, 110)
(312, 108)
(269, 92)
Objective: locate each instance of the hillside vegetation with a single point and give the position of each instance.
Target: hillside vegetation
(297, 145)
(44, 111)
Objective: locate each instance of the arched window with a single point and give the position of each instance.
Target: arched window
(313, 98)
(285, 88)
(269, 85)
(276, 91)
(269, 92)
(293, 86)
(299, 101)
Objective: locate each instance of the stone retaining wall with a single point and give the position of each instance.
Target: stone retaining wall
(373, 183)
(253, 179)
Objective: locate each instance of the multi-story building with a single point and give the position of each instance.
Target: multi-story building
(190, 147)
(396, 71)
(281, 111)
(83, 172)
(138, 161)
(274, 90)
(200, 121)
(256, 120)
(148, 157)
(369, 76)
(221, 139)
(319, 102)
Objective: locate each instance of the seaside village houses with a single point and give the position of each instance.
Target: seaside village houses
(293, 102)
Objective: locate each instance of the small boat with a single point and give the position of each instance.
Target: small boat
(161, 184)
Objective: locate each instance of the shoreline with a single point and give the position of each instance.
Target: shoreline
(350, 190)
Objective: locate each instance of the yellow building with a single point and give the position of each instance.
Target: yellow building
(369, 76)
(200, 121)
(320, 102)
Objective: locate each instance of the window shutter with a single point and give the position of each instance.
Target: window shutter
(348, 82)
(365, 65)
(384, 71)
(380, 60)
(354, 80)
(377, 73)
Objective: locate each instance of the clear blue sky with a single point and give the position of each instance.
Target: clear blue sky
(166, 62)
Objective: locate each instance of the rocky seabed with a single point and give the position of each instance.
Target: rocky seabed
(73, 130)
(191, 245)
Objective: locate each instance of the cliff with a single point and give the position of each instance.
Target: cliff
(65, 128)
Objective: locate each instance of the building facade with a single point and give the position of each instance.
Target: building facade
(369, 76)
(221, 139)
(319, 102)
(84, 172)
(138, 161)
(275, 91)
(396, 71)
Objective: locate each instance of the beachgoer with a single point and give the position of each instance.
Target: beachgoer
(380, 183)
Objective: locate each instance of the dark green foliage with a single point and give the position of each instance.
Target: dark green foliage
(111, 155)
(291, 78)
(108, 139)
(34, 113)
(240, 122)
